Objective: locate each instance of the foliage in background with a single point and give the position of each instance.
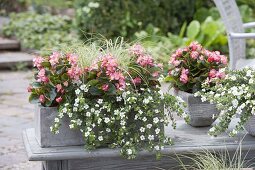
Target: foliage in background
(39, 31)
(113, 18)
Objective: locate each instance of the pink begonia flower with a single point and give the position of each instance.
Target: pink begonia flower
(178, 52)
(185, 71)
(42, 77)
(74, 72)
(42, 98)
(65, 83)
(54, 58)
(137, 80)
(29, 88)
(37, 61)
(137, 49)
(220, 75)
(184, 78)
(223, 59)
(105, 87)
(194, 54)
(194, 46)
(59, 87)
(72, 58)
(214, 57)
(201, 57)
(145, 60)
(160, 65)
(155, 74)
(59, 99)
(212, 73)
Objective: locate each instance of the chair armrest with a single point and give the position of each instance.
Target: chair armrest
(249, 25)
(242, 35)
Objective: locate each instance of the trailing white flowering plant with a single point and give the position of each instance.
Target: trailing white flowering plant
(121, 108)
(234, 97)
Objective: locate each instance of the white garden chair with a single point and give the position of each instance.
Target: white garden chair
(236, 33)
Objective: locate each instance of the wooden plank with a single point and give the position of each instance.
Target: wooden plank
(187, 139)
(9, 59)
(9, 44)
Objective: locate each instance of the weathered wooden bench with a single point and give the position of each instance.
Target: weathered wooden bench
(187, 140)
(236, 33)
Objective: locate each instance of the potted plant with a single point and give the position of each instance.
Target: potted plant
(54, 83)
(234, 97)
(189, 67)
(115, 104)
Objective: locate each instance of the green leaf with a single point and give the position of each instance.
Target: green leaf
(36, 85)
(93, 82)
(193, 29)
(95, 91)
(34, 98)
(46, 64)
(112, 90)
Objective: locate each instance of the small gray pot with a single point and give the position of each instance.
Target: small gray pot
(250, 126)
(201, 113)
(44, 118)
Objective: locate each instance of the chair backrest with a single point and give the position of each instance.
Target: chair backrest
(233, 22)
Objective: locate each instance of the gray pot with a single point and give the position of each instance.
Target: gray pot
(201, 113)
(44, 118)
(250, 126)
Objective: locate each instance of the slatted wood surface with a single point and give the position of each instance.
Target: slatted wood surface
(187, 140)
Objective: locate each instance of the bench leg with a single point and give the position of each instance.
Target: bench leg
(54, 165)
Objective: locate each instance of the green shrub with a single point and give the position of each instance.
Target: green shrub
(39, 31)
(113, 18)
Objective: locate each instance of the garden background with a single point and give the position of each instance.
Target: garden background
(40, 25)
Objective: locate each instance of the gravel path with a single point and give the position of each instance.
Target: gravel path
(16, 114)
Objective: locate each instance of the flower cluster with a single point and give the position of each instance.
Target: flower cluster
(143, 68)
(131, 120)
(234, 97)
(109, 105)
(192, 65)
(54, 78)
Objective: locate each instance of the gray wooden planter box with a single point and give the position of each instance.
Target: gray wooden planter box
(201, 113)
(44, 118)
(250, 126)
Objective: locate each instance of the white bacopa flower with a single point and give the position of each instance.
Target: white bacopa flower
(157, 131)
(251, 81)
(122, 123)
(106, 120)
(100, 101)
(86, 106)
(71, 126)
(156, 111)
(96, 105)
(122, 115)
(86, 134)
(51, 128)
(146, 101)
(77, 91)
(155, 120)
(76, 104)
(108, 130)
(77, 100)
(70, 114)
(64, 110)
(235, 103)
(57, 132)
(140, 111)
(129, 151)
(212, 129)
(233, 78)
(89, 129)
(142, 137)
(75, 109)
(136, 117)
(203, 98)
(151, 137)
(79, 122)
(61, 114)
(99, 120)
(156, 148)
(97, 112)
(248, 73)
(150, 98)
(142, 129)
(118, 98)
(149, 126)
(144, 119)
(234, 132)
(100, 138)
(92, 110)
(128, 92)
